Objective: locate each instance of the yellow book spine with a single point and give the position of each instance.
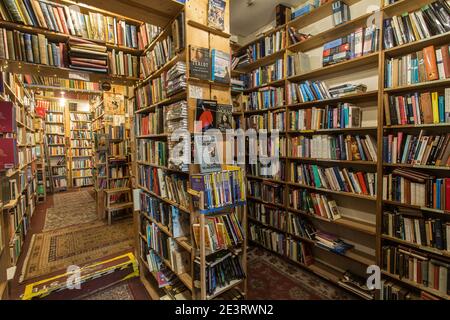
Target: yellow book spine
(435, 104)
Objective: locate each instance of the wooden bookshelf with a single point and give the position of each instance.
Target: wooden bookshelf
(22, 204)
(361, 230)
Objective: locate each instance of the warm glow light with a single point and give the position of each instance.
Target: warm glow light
(62, 102)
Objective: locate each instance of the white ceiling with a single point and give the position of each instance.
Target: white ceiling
(246, 20)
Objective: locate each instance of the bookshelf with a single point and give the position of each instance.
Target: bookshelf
(111, 34)
(111, 143)
(19, 176)
(357, 224)
(55, 130)
(154, 122)
(41, 164)
(408, 210)
(80, 146)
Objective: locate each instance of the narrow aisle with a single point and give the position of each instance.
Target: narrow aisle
(66, 231)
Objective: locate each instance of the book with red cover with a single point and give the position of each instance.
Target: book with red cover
(447, 194)
(7, 117)
(8, 153)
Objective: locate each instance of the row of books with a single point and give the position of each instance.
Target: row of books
(80, 135)
(266, 191)
(151, 123)
(68, 20)
(428, 21)
(118, 132)
(293, 249)
(342, 116)
(417, 267)
(334, 178)
(82, 182)
(152, 92)
(81, 173)
(432, 150)
(261, 48)
(62, 83)
(147, 34)
(221, 270)
(167, 186)
(80, 164)
(430, 64)
(318, 90)
(265, 98)
(269, 121)
(268, 215)
(221, 232)
(118, 172)
(341, 147)
(220, 188)
(54, 117)
(167, 249)
(123, 64)
(177, 119)
(417, 108)
(50, 106)
(362, 42)
(151, 151)
(19, 46)
(417, 189)
(412, 227)
(314, 203)
(84, 117)
(266, 74)
(163, 51)
(168, 216)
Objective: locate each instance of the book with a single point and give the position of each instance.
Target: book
(220, 66)
(199, 63)
(216, 14)
(224, 116)
(7, 117)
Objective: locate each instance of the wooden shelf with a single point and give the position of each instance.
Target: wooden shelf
(178, 57)
(347, 162)
(176, 97)
(410, 206)
(326, 36)
(165, 199)
(275, 83)
(419, 86)
(325, 131)
(416, 166)
(361, 62)
(59, 89)
(22, 67)
(416, 285)
(436, 40)
(437, 252)
(342, 193)
(272, 109)
(161, 167)
(208, 29)
(358, 97)
(262, 61)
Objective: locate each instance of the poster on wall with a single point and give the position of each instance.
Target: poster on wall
(114, 103)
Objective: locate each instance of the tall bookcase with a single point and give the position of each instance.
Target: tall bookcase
(55, 129)
(112, 174)
(41, 163)
(187, 260)
(19, 177)
(80, 146)
(420, 251)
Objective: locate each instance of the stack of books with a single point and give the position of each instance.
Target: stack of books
(331, 242)
(87, 56)
(176, 78)
(432, 19)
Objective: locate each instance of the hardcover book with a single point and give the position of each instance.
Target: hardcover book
(200, 63)
(221, 62)
(7, 117)
(224, 117)
(216, 14)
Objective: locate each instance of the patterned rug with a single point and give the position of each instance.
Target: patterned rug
(271, 278)
(71, 208)
(120, 291)
(55, 250)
